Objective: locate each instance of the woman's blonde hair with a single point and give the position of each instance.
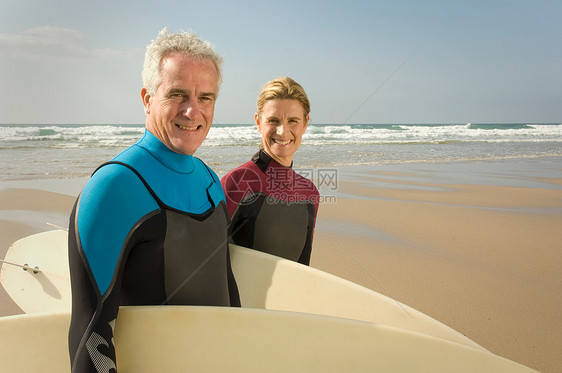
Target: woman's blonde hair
(283, 88)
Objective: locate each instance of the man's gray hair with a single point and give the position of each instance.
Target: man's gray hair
(183, 42)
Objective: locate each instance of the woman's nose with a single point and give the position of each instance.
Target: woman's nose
(282, 128)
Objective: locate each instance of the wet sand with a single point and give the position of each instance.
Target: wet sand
(483, 259)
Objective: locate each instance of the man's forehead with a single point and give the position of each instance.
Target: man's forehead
(188, 75)
(179, 60)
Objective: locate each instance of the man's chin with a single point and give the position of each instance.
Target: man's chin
(186, 147)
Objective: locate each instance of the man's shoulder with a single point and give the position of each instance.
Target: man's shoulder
(114, 194)
(113, 172)
(202, 168)
(113, 181)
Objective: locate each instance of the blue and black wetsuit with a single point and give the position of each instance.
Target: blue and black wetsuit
(149, 228)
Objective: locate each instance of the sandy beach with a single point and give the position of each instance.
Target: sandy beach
(481, 257)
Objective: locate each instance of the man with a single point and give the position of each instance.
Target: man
(150, 227)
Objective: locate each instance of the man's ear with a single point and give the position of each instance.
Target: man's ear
(146, 100)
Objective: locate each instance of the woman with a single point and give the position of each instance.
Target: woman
(272, 208)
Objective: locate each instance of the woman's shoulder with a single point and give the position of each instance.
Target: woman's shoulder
(305, 184)
(247, 171)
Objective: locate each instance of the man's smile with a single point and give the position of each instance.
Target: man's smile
(188, 128)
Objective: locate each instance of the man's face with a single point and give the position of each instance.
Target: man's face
(181, 112)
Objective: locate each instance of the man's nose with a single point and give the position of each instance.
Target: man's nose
(192, 109)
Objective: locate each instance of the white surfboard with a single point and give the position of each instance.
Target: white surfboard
(44, 286)
(264, 281)
(215, 339)
(269, 282)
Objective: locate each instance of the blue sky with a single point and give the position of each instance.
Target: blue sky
(359, 61)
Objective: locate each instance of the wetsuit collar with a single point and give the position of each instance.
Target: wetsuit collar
(177, 162)
(262, 159)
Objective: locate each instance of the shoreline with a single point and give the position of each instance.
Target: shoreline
(479, 252)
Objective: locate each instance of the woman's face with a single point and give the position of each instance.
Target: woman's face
(281, 124)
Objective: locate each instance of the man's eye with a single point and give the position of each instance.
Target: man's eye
(177, 96)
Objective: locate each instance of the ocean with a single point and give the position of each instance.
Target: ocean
(32, 152)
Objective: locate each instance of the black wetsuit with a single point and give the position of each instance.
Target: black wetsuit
(149, 228)
(273, 209)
